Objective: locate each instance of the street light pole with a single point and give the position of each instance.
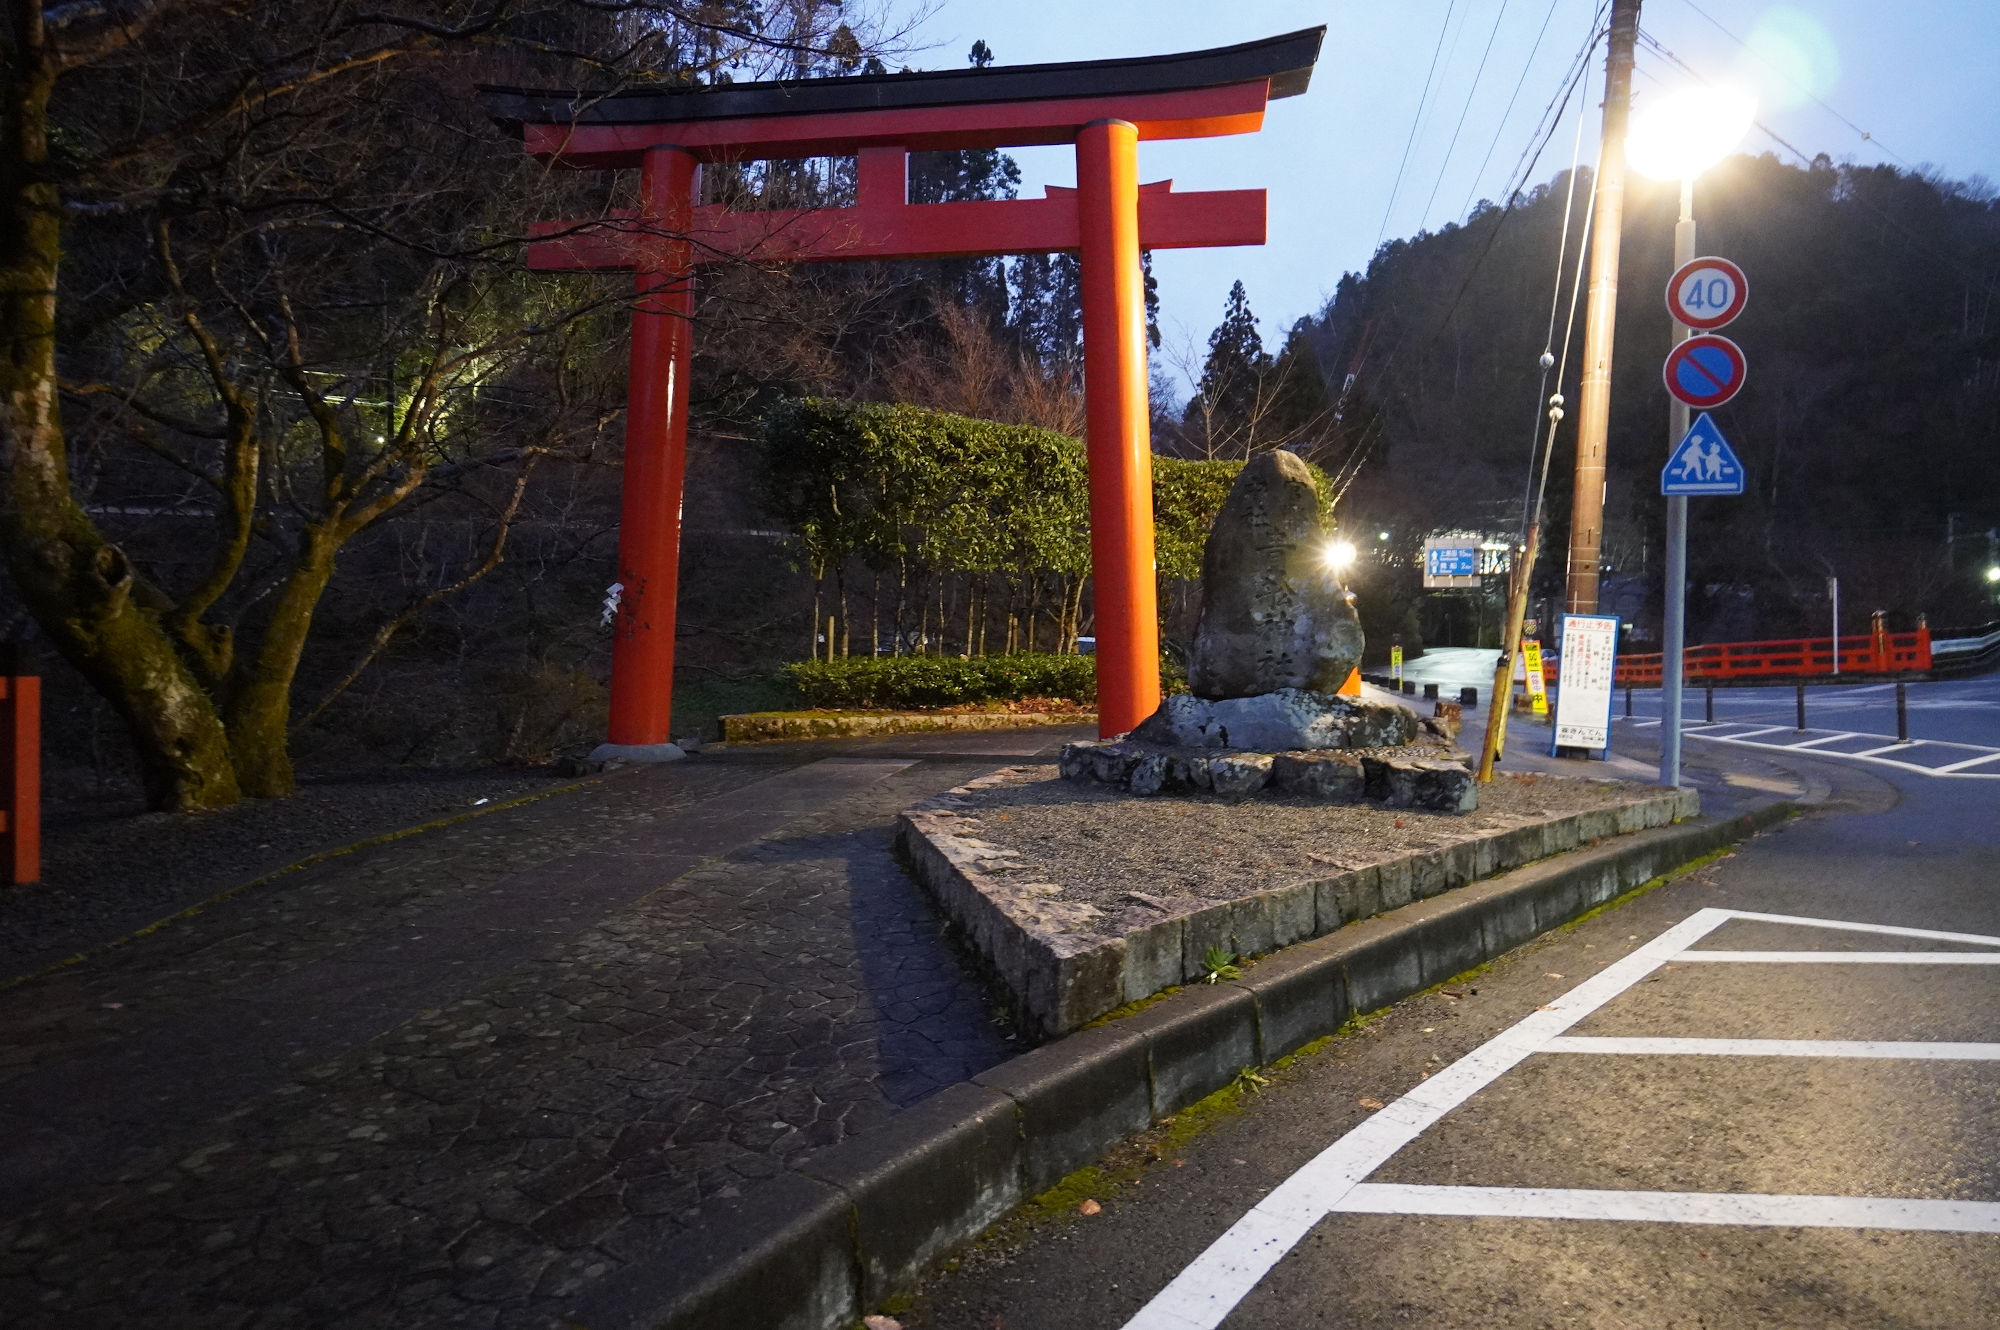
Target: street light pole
(1673, 635)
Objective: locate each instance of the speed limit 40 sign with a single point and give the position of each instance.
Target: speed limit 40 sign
(1707, 293)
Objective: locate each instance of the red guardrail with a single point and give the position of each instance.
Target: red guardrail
(20, 772)
(1878, 652)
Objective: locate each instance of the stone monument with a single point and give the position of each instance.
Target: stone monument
(1276, 636)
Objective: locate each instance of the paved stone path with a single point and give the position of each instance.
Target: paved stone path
(453, 1079)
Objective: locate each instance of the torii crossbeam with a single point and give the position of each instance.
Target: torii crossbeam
(1103, 107)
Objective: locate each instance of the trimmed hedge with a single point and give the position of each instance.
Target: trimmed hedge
(898, 486)
(943, 681)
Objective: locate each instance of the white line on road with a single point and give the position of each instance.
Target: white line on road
(1824, 739)
(1675, 1207)
(1850, 926)
(1845, 957)
(1776, 1048)
(1210, 1287)
(1969, 762)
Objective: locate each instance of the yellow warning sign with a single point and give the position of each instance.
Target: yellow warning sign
(1396, 663)
(1538, 697)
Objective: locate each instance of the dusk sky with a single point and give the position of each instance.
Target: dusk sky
(1917, 77)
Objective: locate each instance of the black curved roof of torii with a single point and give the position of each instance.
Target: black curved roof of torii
(1286, 61)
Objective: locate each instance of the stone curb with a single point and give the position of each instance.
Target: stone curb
(786, 726)
(816, 1248)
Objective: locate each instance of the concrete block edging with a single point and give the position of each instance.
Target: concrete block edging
(816, 1248)
(1064, 972)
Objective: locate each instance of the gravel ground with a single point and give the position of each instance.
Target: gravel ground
(108, 872)
(1101, 844)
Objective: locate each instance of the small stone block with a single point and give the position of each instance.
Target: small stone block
(1239, 775)
(1327, 775)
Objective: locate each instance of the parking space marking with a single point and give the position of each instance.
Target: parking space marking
(1727, 732)
(1774, 1048)
(1846, 957)
(1675, 1207)
(1823, 739)
(1210, 1287)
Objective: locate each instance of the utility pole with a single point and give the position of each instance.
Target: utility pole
(1586, 523)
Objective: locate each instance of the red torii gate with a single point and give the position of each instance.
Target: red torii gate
(1103, 107)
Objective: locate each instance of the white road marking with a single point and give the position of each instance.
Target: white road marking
(1849, 926)
(1776, 1048)
(1969, 762)
(1210, 1287)
(1201, 1295)
(1824, 739)
(1865, 756)
(1845, 957)
(1676, 1207)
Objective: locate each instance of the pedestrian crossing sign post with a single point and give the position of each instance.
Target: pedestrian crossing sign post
(1702, 463)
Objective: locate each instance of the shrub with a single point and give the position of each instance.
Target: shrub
(943, 681)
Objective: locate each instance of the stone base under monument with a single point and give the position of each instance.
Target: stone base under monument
(1291, 741)
(1080, 898)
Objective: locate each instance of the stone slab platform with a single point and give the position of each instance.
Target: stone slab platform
(1068, 963)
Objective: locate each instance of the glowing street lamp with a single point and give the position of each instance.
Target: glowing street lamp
(1687, 131)
(1678, 137)
(1340, 555)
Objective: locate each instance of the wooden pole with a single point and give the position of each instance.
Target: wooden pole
(1586, 526)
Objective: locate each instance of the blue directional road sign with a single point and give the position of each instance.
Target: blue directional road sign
(1702, 463)
(1451, 561)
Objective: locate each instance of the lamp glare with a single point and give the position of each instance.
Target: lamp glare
(1687, 131)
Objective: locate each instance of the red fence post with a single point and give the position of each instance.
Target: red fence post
(21, 758)
(649, 515)
(1120, 428)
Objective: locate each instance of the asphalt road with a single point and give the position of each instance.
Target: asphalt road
(1608, 1127)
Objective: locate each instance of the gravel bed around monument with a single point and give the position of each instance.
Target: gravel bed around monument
(1102, 845)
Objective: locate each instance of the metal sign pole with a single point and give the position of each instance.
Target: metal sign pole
(1673, 633)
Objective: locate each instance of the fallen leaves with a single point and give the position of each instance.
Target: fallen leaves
(1552, 975)
(1370, 1104)
(1089, 1207)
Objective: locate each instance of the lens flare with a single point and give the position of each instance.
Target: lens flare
(1791, 57)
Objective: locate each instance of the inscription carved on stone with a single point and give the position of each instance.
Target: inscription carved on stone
(1273, 613)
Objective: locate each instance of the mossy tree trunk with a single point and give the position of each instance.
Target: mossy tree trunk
(80, 587)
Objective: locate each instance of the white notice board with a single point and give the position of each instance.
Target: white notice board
(1584, 687)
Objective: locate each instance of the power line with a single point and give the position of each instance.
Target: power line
(1551, 117)
(1463, 111)
(1915, 244)
(1501, 127)
(1422, 98)
(1787, 76)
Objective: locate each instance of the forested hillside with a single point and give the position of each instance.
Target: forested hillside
(1869, 423)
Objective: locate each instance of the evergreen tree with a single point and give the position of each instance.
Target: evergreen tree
(1236, 358)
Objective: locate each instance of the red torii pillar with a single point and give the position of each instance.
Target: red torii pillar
(1104, 108)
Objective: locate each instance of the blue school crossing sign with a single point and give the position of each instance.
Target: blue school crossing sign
(1702, 463)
